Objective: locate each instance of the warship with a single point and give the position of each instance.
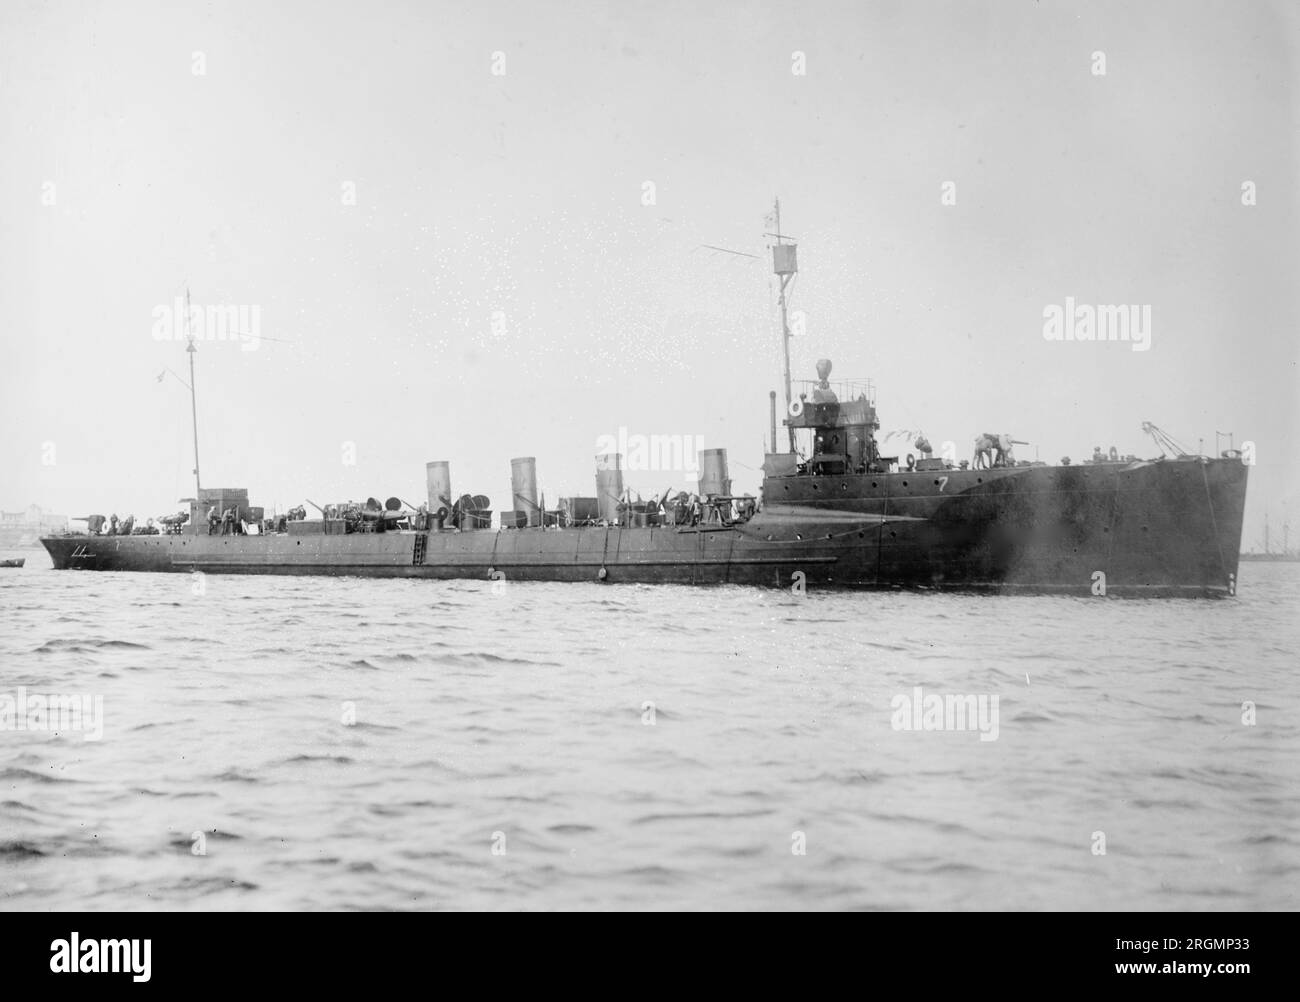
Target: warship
(834, 511)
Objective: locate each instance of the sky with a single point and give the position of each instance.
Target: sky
(473, 232)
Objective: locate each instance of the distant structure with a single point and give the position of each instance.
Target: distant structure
(1287, 555)
(24, 528)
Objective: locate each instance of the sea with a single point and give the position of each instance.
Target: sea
(218, 742)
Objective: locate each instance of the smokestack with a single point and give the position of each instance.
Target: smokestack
(437, 476)
(609, 485)
(523, 488)
(713, 472)
(771, 442)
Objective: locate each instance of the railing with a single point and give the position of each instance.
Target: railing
(844, 389)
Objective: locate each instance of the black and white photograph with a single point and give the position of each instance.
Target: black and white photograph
(572, 456)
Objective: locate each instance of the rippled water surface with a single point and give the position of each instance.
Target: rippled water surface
(519, 721)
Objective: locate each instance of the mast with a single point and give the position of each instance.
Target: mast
(785, 268)
(194, 406)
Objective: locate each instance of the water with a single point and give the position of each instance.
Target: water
(518, 721)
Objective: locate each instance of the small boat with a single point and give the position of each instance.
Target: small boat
(13, 563)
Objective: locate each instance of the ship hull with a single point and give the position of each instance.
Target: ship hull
(1159, 528)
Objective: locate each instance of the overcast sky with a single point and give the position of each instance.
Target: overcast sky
(500, 287)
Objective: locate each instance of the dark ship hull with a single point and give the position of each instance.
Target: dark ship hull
(1163, 527)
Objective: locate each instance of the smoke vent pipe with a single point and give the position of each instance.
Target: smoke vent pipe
(523, 488)
(437, 477)
(609, 485)
(713, 473)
